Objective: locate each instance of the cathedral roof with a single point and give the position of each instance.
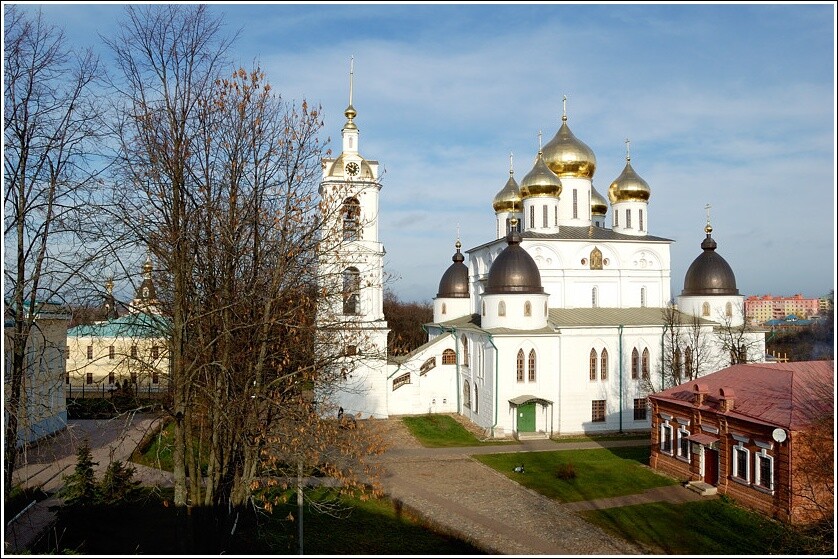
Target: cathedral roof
(709, 274)
(138, 325)
(568, 156)
(540, 181)
(454, 282)
(599, 206)
(514, 271)
(571, 233)
(629, 187)
(509, 196)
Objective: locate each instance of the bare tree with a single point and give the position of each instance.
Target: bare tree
(49, 124)
(405, 321)
(226, 174)
(686, 349)
(736, 340)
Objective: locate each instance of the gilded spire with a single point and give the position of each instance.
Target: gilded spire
(539, 142)
(564, 108)
(510, 164)
(628, 149)
(350, 112)
(109, 285)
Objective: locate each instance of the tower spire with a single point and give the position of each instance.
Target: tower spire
(510, 164)
(539, 142)
(351, 76)
(564, 108)
(628, 149)
(708, 228)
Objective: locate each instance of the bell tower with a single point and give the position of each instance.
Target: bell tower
(351, 270)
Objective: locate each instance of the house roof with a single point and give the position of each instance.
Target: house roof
(139, 325)
(789, 395)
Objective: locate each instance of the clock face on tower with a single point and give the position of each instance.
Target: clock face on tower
(352, 169)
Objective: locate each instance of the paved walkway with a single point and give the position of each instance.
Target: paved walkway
(445, 487)
(479, 504)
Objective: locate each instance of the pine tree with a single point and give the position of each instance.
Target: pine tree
(80, 486)
(117, 482)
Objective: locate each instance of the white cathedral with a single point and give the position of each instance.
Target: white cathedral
(555, 325)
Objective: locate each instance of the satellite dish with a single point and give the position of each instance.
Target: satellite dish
(778, 435)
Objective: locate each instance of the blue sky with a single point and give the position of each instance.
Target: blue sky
(731, 105)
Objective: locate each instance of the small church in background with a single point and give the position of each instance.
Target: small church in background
(553, 325)
(127, 351)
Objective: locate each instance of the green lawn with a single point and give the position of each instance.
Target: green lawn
(437, 431)
(713, 527)
(599, 472)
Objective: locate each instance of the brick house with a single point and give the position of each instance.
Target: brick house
(753, 431)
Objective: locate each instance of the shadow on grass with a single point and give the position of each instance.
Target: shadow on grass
(150, 525)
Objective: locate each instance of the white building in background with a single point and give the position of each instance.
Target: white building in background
(555, 325)
(43, 408)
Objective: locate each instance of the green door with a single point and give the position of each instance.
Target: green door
(526, 418)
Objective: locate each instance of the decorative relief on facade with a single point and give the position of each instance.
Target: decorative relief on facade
(596, 259)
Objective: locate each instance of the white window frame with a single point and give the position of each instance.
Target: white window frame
(665, 426)
(734, 468)
(682, 435)
(758, 471)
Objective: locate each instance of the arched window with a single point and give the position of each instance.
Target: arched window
(527, 308)
(728, 310)
(676, 363)
(641, 219)
(532, 217)
(642, 296)
(628, 219)
(594, 298)
(545, 308)
(501, 309)
(635, 363)
(592, 364)
(466, 394)
(544, 216)
(688, 362)
(465, 350)
(484, 308)
(645, 362)
(705, 309)
(351, 291)
(603, 364)
(475, 399)
(519, 366)
(443, 308)
(449, 357)
(616, 218)
(531, 366)
(575, 204)
(145, 292)
(351, 212)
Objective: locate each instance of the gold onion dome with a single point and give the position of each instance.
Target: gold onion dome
(629, 187)
(540, 181)
(598, 204)
(509, 196)
(568, 156)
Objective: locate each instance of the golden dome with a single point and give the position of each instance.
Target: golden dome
(629, 187)
(540, 181)
(567, 156)
(509, 197)
(598, 204)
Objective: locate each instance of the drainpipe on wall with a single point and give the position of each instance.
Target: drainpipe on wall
(620, 330)
(495, 424)
(663, 363)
